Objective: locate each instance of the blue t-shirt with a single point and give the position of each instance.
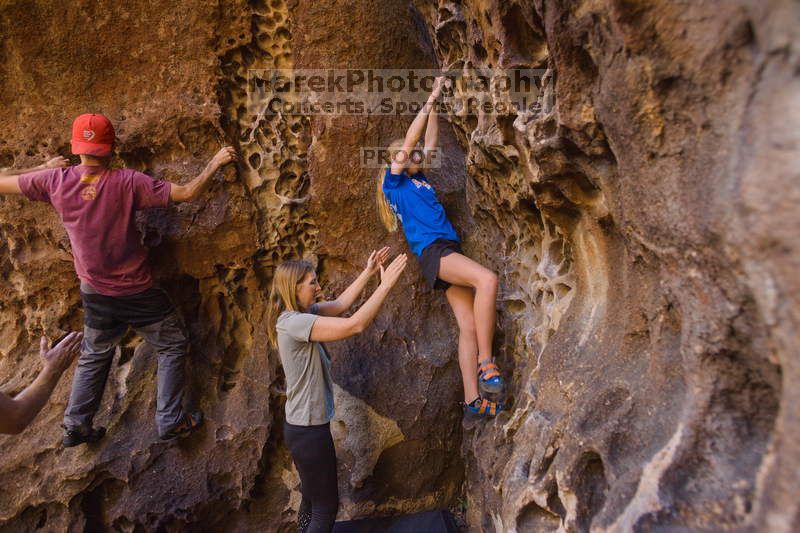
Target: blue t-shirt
(414, 202)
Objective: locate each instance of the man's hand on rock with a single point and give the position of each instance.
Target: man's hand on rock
(224, 156)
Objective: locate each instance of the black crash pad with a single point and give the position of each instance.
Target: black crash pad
(427, 522)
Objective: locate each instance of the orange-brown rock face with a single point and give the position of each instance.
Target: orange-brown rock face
(173, 78)
(642, 218)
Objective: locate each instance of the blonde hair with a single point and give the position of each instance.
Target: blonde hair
(283, 294)
(388, 216)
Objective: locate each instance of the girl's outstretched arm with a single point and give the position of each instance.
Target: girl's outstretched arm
(348, 297)
(431, 132)
(414, 133)
(333, 328)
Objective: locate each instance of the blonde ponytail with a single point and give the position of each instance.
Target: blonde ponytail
(387, 215)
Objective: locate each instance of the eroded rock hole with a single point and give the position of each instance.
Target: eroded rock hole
(534, 518)
(590, 489)
(255, 160)
(525, 45)
(479, 51)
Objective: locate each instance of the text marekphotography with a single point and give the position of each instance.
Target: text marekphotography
(394, 91)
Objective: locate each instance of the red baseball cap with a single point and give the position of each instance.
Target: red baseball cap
(92, 134)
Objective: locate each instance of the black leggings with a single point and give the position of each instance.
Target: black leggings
(314, 457)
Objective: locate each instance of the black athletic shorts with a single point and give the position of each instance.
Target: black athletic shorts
(429, 261)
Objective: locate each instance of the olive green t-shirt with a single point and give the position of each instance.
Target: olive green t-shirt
(309, 388)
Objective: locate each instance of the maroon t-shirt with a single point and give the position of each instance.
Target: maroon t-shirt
(98, 208)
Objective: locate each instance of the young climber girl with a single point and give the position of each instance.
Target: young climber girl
(298, 325)
(404, 194)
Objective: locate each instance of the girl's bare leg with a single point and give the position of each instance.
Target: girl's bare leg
(461, 270)
(461, 300)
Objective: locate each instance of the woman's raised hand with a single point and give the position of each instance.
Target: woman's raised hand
(391, 274)
(376, 260)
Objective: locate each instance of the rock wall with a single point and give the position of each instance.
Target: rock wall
(648, 268)
(642, 219)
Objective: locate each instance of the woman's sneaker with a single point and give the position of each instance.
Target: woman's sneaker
(188, 423)
(489, 378)
(77, 435)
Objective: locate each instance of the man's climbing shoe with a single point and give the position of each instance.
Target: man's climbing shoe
(77, 435)
(481, 407)
(188, 423)
(489, 378)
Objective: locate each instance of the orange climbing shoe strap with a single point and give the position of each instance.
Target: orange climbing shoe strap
(488, 370)
(487, 407)
(483, 407)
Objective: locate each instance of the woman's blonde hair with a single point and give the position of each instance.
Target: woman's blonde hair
(388, 216)
(283, 294)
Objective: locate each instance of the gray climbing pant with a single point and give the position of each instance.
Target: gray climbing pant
(106, 320)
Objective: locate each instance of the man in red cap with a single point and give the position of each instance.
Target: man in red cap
(97, 205)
